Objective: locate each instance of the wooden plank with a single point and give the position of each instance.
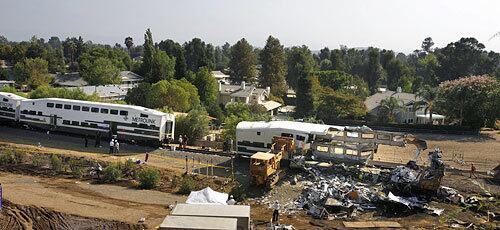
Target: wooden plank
(372, 224)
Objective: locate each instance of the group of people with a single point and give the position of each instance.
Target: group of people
(183, 141)
(114, 146)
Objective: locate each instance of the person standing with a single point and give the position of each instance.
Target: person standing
(276, 211)
(111, 146)
(98, 139)
(86, 141)
(117, 146)
(231, 200)
(180, 141)
(185, 139)
(146, 158)
(472, 171)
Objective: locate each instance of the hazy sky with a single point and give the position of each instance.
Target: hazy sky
(400, 25)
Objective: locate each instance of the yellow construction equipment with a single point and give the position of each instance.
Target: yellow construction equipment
(265, 166)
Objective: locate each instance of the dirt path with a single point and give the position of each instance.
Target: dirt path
(482, 150)
(89, 200)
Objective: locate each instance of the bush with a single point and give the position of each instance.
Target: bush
(6, 158)
(19, 157)
(187, 185)
(149, 178)
(76, 167)
(36, 161)
(111, 173)
(56, 163)
(129, 168)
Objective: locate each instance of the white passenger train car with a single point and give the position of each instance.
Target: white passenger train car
(127, 122)
(252, 137)
(9, 106)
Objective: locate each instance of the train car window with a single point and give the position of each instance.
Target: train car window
(67, 106)
(85, 108)
(144, 115)
(104, 110)
(39, 113)
(5, 99)
(258, 133)
(31, 112)
(50, 105)
(144, 126)
(123, 112)
(58, 106)
(65, 122)
(75, 123)
(85, 124)
(300, 138)
(24, 112)
(114, 112)
(286, 135)
(94, 110)
(76, 107)
(93, 125)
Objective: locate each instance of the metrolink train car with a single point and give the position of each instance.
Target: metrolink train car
(127, 122)
(261, 134)
(9, 106)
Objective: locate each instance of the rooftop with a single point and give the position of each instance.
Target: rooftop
(238, 91)
(374, 100)
(130, 76)
(106, 91)
(262, 156)
(215, 210)
(70, 80)
(289, 125)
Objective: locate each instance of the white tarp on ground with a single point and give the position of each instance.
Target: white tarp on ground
(207, 196)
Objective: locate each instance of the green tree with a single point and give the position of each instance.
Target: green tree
(207, 86)
(336, 105)
(388, 109)
(336, 60)
(56, 61)
(100, 71)
(46, 91)
(427, 44)
(55, 43)
(33, 72)
(305, 96)
(163, 67)
(174, 49)
(473, 101)
(273, 67)
(427, 68)
(194, 124)
(299, 61)
(222, 56)
(242, 63)
(428, 96)
(374, 71)
(138, 95)
(179, 95)
(198, 54)
(36, 48)
(342, 81)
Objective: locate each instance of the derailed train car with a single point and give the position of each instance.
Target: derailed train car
(127, 122)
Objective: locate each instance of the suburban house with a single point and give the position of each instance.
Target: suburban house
(129, 79)
(107, 92)
(409, 114)
(247, 94)
(221, 77)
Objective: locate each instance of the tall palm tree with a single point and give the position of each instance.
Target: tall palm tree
(428, 96)
(389, 107)
(129, 42)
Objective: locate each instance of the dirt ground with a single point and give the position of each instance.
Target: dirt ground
(459, 151)
(82, 199)
(89, 200)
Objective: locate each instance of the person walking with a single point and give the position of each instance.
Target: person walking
(276, 212)
(117, 146)
(146, 158)
(472, 171)
(111, 146)
(86, 141)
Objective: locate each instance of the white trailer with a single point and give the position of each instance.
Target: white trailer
(252, 137)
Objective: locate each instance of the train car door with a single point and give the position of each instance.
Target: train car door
(113, 130)
(53, 120)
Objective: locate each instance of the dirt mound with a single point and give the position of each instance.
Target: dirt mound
(14, 216)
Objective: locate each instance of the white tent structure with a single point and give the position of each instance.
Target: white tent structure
(207, 196)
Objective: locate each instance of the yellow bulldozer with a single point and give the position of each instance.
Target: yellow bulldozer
(265, 167)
